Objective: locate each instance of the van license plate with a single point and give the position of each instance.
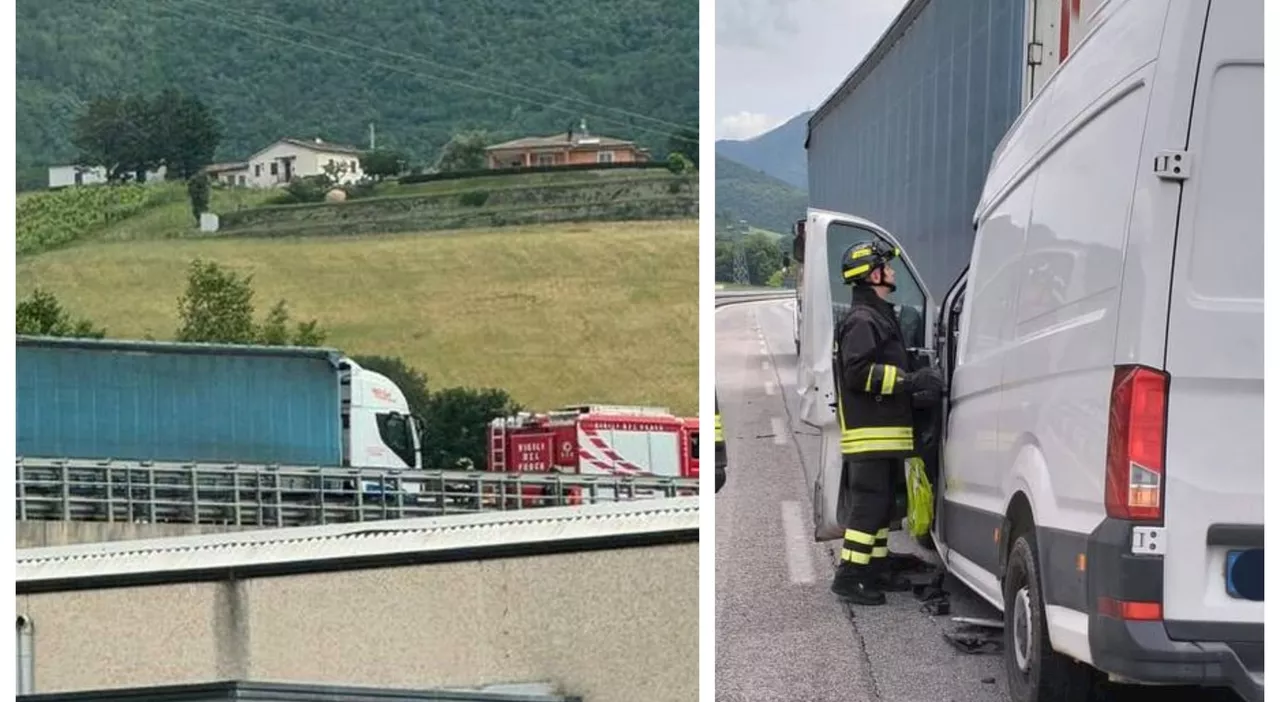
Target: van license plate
(1244, 574)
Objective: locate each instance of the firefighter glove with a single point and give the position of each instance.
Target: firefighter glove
(926, 383)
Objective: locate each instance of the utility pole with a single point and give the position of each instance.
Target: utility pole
(373, 138)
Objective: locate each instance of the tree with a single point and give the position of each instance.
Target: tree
(464, 152)
(764, 256)
(217, 307)
(383, 163)
(198, 191)
(456, 421)
(113, 133)
(132, 135)
(685, 142)
(184, 133)
(334, 170)
(42, 315)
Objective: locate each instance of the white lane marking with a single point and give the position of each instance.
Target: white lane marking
(770, 387)
(780, 433)
(799, 560)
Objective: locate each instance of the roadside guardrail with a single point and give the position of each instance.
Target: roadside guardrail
(279, 496)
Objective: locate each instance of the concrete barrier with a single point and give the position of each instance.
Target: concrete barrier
(40, 534)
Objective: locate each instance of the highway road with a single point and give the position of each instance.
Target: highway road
(780, 633)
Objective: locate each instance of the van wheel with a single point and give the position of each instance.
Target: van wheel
(1036, 673)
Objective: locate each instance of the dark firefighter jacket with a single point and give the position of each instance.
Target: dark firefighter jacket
(873, 401)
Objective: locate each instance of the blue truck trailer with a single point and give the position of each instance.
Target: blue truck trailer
(206, 403)
(906, 139)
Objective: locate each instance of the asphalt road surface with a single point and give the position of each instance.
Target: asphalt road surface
(780, 633)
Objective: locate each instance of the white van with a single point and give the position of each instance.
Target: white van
(1101, 479)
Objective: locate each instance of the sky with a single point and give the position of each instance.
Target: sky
(778, 58)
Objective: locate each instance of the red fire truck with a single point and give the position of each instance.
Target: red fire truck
(604, 440)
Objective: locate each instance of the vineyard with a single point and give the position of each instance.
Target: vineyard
(51, 219)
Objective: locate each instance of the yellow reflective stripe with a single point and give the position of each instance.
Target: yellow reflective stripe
(719, 431)
(859, 537)
(871, 374)
(876, 433)
(855, 557)
(883, 533)
(890, 380)
(861, 253)
(880, 552)
(875, 446)
(856, 271)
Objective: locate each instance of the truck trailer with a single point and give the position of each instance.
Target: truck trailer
(906, 139)
(208, 403)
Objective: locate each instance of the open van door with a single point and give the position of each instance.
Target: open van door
(947, 339)
(826, 299)
(797, 254)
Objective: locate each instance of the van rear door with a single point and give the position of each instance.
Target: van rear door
(1213, 493)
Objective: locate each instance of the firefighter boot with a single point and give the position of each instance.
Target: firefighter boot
(856, 584)
(883, 576)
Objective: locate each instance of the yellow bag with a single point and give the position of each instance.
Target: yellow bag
(919, 499)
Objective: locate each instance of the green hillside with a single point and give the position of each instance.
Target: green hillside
(762, 201)
(419, 70)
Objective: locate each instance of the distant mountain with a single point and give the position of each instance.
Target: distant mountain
(419, 70)
(764, 202)
(778, 152)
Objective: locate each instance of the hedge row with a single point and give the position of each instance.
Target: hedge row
(457, 175)
(652, 208)
(424, 205)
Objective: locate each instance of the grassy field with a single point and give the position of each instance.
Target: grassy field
(591, 312)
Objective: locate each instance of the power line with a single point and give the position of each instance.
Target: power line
(422, 59)
(416, 74)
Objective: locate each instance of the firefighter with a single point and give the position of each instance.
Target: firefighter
(875, 393)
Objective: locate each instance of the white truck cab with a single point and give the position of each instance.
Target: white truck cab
(383, 433)
(1100, 476)
(379, 430)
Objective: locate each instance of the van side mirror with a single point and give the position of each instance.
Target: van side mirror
(797, 241)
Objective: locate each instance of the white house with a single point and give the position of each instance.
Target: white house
(235, 173)
(286, 159)
(62, 176)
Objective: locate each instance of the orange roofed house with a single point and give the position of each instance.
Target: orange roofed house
(572, 147)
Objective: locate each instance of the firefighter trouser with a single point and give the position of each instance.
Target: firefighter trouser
(865, 508)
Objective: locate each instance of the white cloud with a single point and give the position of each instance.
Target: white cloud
(782, 57)
(745, 125)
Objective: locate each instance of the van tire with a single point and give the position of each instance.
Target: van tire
(1051, 676)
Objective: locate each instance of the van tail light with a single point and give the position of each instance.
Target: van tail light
(1130, 611)
(1135, 444)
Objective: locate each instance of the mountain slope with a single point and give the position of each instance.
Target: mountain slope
(743, 193)
(778, 152)
(420, 70)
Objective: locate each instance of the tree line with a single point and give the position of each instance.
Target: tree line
(217, 306)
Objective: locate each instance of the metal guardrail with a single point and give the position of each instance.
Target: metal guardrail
(269, 496)
(734, 297)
